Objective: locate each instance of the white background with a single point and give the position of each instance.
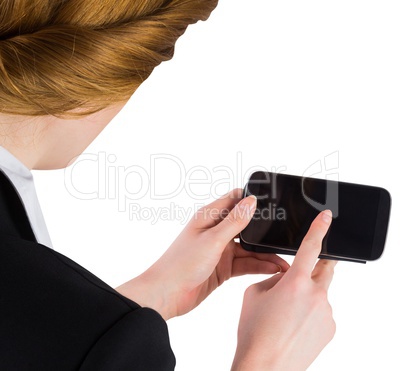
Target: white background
(281, 83)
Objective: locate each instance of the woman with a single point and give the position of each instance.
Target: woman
(67, 68)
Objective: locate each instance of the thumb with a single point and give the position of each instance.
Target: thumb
(236, 220)
(269, 283)
(264, 286)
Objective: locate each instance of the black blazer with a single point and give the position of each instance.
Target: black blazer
(55, 315)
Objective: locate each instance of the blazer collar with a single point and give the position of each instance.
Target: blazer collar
(13, 217)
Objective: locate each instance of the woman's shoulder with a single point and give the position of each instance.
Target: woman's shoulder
(53, 309)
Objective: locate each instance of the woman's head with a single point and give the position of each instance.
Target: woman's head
(74, 58)
(61, 57)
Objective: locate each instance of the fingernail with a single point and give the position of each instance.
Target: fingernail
(326, 216)
(247, 205)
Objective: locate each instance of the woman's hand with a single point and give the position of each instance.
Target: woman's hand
(201, 258)
(286, 320)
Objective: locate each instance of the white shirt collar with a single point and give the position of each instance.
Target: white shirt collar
(23, 181)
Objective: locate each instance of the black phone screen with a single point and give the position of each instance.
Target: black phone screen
(287, 204)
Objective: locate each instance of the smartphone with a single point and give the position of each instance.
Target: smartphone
(287, 204)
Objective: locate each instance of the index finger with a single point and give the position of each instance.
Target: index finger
(311, 245)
